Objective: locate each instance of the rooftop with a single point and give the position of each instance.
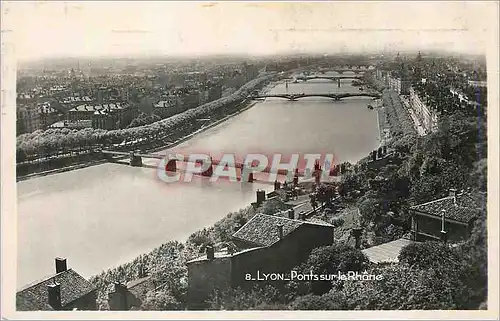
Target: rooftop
(222, 254)
(462, 207)
(93, 108)
(387, 252)
(35, 296)
(262, 230)
(141, 287)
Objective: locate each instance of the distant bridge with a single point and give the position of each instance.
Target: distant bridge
(333, 78)
(343, 70)
(294, 97)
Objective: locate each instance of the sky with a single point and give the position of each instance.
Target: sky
(121, 28)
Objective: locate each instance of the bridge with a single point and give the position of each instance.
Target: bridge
(347, 67)
(135, 159)
(333, 78)
(341, 70)
(294, 97)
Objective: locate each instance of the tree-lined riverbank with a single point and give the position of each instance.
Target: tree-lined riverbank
(63, 148)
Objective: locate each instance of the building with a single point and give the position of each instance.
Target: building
(65, 290)
(190, 100)
(399, 85)
(428, 117)
(81, 112)
(75, 124)
(131, 295)
(250, 71)
(204, 96)
(48, 115)
(451, 217)
(28, 118)
(235, 81)
(215, 92)
(265, 244)
(168, 107)
(387, 252)
(105, 116)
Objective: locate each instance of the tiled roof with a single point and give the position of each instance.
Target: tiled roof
(141, 286)
(462, 208)
(221, 255)
(35, 296)
(387, 252)
(262, 230)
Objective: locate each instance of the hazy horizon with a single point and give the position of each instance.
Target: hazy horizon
(89, 30)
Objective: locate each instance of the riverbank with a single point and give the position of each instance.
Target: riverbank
(203, 129)
(249, 105)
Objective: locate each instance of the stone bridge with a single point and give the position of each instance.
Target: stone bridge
(332, 78)
(294, 97)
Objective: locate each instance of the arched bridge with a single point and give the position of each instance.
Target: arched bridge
(343, 70)
(333, 78)
(294, 97)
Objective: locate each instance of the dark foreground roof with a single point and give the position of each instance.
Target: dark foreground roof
(35, 296)
(462, 208)
(262, 230)
(141, 287)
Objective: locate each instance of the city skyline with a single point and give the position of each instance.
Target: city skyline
(91, 29)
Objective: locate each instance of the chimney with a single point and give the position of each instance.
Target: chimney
(291, 214)
(356, 232)
(119, 297)
(444, 236)
(61, 265)
(54, 294)
(280, 231)
(261, 196)
(443, 213)
(453, 193)
(210, 252)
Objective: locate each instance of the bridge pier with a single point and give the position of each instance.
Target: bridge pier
(317, 173)
(135, 160)
(338, 80)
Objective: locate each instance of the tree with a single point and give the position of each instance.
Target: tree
(330, 260)
(325, 193)
(403, 288)
(479, 175)
(265, 297)
(315, 302)
(161, 300)
(428, 255)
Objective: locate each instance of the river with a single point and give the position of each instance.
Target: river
(104, 215)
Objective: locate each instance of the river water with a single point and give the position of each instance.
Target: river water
(105, 215)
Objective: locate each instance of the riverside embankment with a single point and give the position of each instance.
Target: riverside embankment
(139, 138)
